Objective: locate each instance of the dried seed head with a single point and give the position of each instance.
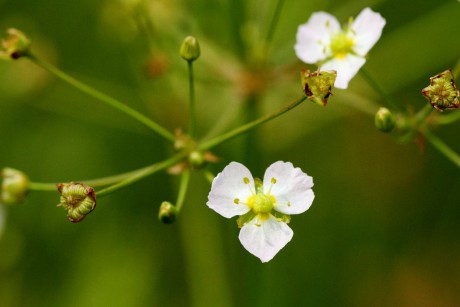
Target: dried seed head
(318, 85)
(442, 92)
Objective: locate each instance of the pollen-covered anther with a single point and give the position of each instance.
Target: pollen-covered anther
(78, 199)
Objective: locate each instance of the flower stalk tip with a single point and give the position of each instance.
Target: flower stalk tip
(442, 92)
(15, 45)
(78, 199)
(167, 213)
(190, 49)
(384, 120)
(15, 185)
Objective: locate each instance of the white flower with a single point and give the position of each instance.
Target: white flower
(264, 208)
(321, 41)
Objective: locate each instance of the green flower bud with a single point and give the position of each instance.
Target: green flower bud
(15, 185)
(167, 213)
(384, 120)
(318, 85)
(15, 45)
(442, 92)
(78, 199)
(196, 159)
(190, 49)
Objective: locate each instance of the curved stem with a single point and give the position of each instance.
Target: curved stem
(141, 174)
(184, 181)
(376, 86)
(251, 125)
(192, 99)
(448, 118)
(274, 21)
(103, 97)
(448, 152)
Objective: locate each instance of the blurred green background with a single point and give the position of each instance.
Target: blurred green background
(383, 230)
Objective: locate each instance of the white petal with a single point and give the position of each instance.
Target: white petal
(264, 239)
(228, 186)
(292, 189)
(314, 37)
(368, 28)
(346, 68)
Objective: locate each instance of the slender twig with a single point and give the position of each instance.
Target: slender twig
(185, 179)
(245, 128)
(378, 88)
(448, 152)
(192, 99)
(103, 97)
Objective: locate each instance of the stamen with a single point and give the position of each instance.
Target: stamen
(236, 201)
(272, 181)
(246, 180)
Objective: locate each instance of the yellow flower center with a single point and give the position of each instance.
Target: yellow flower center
(261, 203)
(341, 45)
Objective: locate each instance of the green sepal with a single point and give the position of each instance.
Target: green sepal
(281, 217)
(245, 218)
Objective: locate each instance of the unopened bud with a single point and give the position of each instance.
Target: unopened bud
(190, 49)
(78, 199)
(318, 85)
(442, 92)
(167, 213)
(15, 45)
(384, 120)
(15, 185)
(196, 159)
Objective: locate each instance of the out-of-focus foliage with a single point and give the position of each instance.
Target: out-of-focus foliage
(382, 231)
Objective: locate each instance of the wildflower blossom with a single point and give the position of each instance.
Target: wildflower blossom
(263, 207)
(323, 42)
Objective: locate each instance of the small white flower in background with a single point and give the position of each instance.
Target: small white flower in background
(264, 207)
(323, 42)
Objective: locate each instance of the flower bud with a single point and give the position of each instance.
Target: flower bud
(384, 120)
(78, 199)
(196, 159)
(15, 185)
(15, 45)
(190, 49)
(167, 213)
(318, 85)
(442, 92)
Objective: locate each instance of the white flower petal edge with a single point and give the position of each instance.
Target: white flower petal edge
(264, 239)
(346, 69)
(292, 189)
(227, 186)
(368, 28)
(314, 37)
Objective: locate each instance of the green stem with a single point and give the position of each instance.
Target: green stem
(185, 179)
(274, 22)
(192, 99)
(245, 128)
(103, 97)
(376, 86)
(448, 118)
(141, 174)
(414, 125)
(104, 181)
(442, 147)
(209, 176)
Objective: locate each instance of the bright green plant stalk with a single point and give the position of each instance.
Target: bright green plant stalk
(192, 99)
(143, 173)
(103, 97)
(123, 180)
(184, 182)
(251, 125)
(274, 21)
(442, 147)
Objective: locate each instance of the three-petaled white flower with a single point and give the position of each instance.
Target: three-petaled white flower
(264, 207)
(321, 41)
